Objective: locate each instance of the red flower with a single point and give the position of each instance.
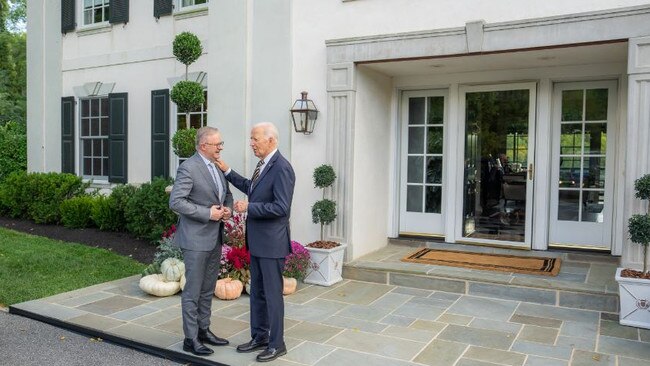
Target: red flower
(239, 257)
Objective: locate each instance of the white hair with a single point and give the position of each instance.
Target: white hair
(204, 132)
(269, 130)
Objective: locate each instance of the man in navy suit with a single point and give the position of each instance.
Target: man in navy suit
(270, 191)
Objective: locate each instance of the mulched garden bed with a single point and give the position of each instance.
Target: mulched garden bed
(121, 243)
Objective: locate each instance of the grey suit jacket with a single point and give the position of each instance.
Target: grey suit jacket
(193, 194)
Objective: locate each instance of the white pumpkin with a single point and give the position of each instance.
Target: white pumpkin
(172, 269)
(155, 285)
(183, 281)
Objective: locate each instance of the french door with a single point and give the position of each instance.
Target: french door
(582, 166)
(423, 167)
(497, 164)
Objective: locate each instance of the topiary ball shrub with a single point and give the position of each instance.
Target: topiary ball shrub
(187, 48)
(183, 142)
(324, 176)
(188, 96)
(76, 212)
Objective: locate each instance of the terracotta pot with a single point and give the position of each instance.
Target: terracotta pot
(290, 285)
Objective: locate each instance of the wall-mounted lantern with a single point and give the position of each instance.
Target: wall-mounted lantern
(304, 114)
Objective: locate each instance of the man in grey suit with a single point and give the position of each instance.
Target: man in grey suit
(270, 192)
(202, 200)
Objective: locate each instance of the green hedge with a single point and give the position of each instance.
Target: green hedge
(76, 212)
(38, 196)
(108, 212)
(13, 148)
(147, 212)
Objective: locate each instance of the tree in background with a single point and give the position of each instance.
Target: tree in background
(13, 64)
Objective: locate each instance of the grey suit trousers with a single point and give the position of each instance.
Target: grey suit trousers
(196, 298)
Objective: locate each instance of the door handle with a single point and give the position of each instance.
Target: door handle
(531, 172)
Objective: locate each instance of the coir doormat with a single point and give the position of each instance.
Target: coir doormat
(544, 266)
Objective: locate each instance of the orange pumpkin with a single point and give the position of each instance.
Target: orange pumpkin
(228, 289)
(289, 286)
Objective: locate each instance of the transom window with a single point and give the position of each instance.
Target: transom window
(96, 11)
(94, 138)
(186, 3)
(198, 117)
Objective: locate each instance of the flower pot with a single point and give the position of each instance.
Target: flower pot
(289, 285)
(634, 294)
(327, 265)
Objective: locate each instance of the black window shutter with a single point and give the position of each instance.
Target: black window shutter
(119, 11)
(117, 138)
(160, 133)
(67, 135)
(162, 7)
(68, 22)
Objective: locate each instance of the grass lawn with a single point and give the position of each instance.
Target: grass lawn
(32, 267)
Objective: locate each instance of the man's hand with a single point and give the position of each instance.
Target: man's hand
(241, 206)
(227, 213)
(221, 165)
(216, 212)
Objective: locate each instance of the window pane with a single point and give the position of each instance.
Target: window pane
(595, 138)
(571, 139)
(416, 111)
(572, 105)
(436, 110)
(94, 107)
(195, 120)
(415, 169)
(104, 127)
(88, 16)
(85, 107)
(593, 206)
(88, 3)
(180, 125)
(416, 140)
(434, 140)
(85, 127)
(596, 105)
(105, 148)
(97, 166)
(568, 205)
(94, 127)
(104, 110)
(594, 172)
(97, 147)
(97, 15)
(87, 168)
(570, 172)
(107, 13)
(414, 198)
(433, 199)
(434, 170)
(87, 148)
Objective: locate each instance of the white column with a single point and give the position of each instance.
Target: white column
(637, 161)
(44, 83)
(341, 94)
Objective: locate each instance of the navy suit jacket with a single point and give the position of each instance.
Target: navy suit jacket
(269, 208)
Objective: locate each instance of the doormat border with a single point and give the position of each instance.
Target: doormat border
(551, 266)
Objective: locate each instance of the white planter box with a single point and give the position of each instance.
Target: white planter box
(328, 265)
(635, 301)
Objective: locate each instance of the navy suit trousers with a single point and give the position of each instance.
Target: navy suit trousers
(266, 301)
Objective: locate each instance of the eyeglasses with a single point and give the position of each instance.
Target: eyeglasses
(215, 145)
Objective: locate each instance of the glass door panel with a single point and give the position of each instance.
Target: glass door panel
(423, 129)
(580, 206)
(498, 165)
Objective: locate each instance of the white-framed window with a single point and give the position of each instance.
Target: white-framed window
(93, 134)
(95, 11)
(190, 3)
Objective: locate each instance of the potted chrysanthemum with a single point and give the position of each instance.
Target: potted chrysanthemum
(295, 267)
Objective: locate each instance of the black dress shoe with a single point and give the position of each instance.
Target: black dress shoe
(196, 347)
(271, 354)
(252, 345)
(206, 336)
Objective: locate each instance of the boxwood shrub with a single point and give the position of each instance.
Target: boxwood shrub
(108, 212)
(147, 212)
(76, 212)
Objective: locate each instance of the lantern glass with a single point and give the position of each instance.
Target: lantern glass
(304, 114)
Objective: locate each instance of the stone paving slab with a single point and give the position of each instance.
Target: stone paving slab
(365, 323)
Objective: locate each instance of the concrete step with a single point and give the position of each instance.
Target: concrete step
(586, 281)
